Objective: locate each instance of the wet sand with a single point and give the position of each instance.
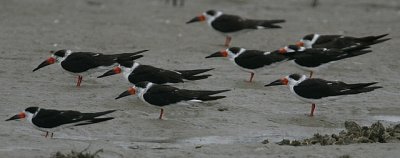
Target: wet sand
(30, 29)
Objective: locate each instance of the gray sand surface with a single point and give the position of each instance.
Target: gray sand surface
(30, 28)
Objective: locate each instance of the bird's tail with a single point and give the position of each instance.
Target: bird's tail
(357, 53)
(208, 98)
(97, 114)
(361, 85)
(355, 48)
(370, 40)
(128, 55)
(191, 74)
(94, 120)
(262, 24)
(207, 93)
(361, 88)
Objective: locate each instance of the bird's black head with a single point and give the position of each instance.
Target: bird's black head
(211, 12)
(32, 109)
(142, 84)
(295, 77)
(60, 53)
(234, 50)
(308, 37)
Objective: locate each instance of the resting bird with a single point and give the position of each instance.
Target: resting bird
(315, 90)
(163, 95)
(230, 25)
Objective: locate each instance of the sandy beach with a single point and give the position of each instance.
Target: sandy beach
(252, 112)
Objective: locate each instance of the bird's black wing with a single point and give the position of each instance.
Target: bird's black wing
(153, 74)
(228, 23)
(252, 59)
(161, 95)
(316, 57)
(53, 118)
(322, 39)
(319, 88)
(82, 61)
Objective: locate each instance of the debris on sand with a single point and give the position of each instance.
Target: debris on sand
(75, 154)
(265, 141)
(354, 133)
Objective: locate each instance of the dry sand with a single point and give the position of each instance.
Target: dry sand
(29, 29)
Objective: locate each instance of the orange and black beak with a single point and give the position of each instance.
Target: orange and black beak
(114, 71)
(300, 44)
(197, 19)
(18, 116)
(282, 81)
(222, 53)
(47, 62)
(130, 91)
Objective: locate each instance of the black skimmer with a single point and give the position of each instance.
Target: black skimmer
(135, 73)
(49, 120)
(315, 90)
(250, 60)
(312, 59)
(162, 95)
(231, 24)
(338, 41)
(85, 63)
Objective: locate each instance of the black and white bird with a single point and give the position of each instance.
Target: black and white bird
(135, 73)
(251, 60)
(339, 41)
(85, 63)
(163, 95)
(49, 120)
(315, 90)
(313, 59)
(229, 25)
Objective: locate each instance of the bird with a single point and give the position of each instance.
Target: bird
(251, 60)
(313, 59)
(163, 95)
(135, 72)
(315, 90)
(229, 25)
(84, 63)
(50, 120)
(339, 41)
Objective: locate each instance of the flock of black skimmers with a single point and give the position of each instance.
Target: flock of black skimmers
(153, 85)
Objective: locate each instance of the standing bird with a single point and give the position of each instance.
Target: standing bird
(163, 95)
(49, 120)
(250, 60)
(232, 24)
(135, 73)
(315, 90)
(85, 63)
(312, 59)
(339, 41)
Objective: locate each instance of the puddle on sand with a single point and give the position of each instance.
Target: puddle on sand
(390, 118)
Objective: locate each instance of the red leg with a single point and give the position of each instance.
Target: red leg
(228, 41)
(78, 84)
(312, 110)
(251, 77)
(311, 73)
(161, 113)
